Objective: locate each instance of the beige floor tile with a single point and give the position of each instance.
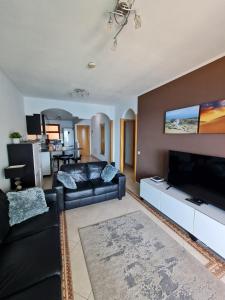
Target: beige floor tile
(91, 297)
(79, 297)
(72, 244)
(47, 182)
(84, 216)
(81, 282)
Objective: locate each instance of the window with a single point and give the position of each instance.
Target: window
(53, 131)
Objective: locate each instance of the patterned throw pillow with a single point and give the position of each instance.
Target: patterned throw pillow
(67, 180)
(108, 173)
(26, 204)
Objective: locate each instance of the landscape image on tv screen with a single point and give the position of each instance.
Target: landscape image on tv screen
(212, 117)
(182, 121)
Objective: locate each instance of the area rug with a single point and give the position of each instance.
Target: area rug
(131, 257)
(215, 264)
(67, 284)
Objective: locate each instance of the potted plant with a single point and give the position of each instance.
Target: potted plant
(15, 136)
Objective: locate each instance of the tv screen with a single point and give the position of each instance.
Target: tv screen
(200, 176)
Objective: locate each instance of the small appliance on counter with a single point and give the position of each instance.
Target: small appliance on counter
(157, 179)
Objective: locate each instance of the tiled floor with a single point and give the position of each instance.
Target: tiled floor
(131, 181)
(84, 216)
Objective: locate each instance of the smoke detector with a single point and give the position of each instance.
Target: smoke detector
(91, 65)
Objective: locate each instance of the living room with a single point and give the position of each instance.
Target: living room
(112, 151)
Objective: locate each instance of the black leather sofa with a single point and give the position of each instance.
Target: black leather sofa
(90, 187)
(30, 254)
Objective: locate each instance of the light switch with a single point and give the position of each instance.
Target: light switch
(139, 152)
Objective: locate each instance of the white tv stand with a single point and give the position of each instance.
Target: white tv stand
(205, 222)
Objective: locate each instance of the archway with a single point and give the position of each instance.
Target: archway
(58, 139)
(102, 137)
(58, 125)
(128, 143)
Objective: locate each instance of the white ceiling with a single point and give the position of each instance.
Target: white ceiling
(45, 46)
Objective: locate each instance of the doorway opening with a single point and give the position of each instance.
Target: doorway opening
(102, 137)
(83, 138)
(128, 144)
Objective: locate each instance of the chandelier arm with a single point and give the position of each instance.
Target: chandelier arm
(122, 26)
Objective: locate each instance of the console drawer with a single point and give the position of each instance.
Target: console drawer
(210, 232)
(150, 194)
(178, 211)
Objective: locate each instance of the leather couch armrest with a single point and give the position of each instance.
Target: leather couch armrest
(120, 179)
(59, 189)
(50, 196)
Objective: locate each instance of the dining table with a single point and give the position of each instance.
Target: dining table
(66, 157)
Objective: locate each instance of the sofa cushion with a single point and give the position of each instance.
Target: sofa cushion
(4, 218)
(48, 289)
(95, 169)
(28, 261)
(77, 171)
(26, 204)
(109, 173)
(84, 189)
(67, 180)
(101, 187)
(34, 225)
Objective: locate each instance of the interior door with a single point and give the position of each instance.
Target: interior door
(83, 137)
(129, 142)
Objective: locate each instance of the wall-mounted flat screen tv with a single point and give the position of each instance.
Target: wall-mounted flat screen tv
(200, 176)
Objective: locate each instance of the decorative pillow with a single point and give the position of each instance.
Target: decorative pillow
(26, 204)
(67, 180)
(108, 173)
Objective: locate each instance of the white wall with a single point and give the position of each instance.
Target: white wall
(12, 119)
(96, 136)
(82, 110)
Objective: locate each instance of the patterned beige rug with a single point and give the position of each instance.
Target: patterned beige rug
(67, 285)
(215, 264)
(131, 257)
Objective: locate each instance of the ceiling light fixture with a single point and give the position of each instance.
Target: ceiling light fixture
(120, 16)
(80, 93)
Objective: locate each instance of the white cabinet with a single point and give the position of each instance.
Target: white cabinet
(179, 212)
(150, 195)
(29, 155)
(210, 232)
(205, 222)
(37, 164)
(45, 163)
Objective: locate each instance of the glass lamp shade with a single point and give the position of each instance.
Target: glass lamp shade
(137, 21)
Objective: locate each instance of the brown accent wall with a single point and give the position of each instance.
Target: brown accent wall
(203, 85)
